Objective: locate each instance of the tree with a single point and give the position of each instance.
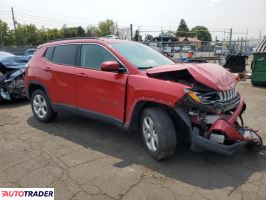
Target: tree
(92, 31)
(202, 33)
(69, 32)
(81, 31)
(4, 30)
(106, 27)
(148, 38)
(26, 34)
(137, 36)
(182, 30)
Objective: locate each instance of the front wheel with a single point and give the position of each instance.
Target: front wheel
(158, 133)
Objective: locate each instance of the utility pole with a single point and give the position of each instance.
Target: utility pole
(116, 29)
(131, 31)
(230, 40)
(14, 23)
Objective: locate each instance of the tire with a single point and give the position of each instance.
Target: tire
(41, 107)
(161, 142)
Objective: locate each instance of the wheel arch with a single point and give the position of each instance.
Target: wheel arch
(35, 85)
(181, 126)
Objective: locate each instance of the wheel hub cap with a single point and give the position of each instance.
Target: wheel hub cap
(150, 135)
(40, 106)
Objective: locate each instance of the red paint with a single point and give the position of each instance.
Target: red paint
(116, 94)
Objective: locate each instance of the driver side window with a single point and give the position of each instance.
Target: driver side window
(92, 56)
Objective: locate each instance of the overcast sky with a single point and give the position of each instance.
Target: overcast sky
(217, 15)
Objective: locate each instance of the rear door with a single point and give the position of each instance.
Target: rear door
(62, 80)
(99, 92)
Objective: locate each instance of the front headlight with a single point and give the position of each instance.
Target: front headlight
(202, 97)
(193, 95)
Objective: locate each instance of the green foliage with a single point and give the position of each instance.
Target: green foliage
(137, 36)
(92, 31)
(106, 27)
(182, 30)
(148, 37)
(26, 34)
(202, 33)
(7, 37)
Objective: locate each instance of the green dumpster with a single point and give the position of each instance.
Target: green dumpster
(259, 65)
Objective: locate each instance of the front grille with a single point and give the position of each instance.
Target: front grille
(227, 95)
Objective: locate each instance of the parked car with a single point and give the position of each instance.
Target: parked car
(165, 38)
(138, 89)
(4, 54)
(219, 50)
(186, 49)
(177, 49)
(111, 37)
(11, 77)
(29, 52)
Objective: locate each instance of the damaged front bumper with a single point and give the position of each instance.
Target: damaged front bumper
(12, 85)
(218, 132)
(199, 144)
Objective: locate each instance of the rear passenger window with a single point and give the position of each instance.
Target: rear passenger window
(49, 53)
(65, 54)
(92, 56)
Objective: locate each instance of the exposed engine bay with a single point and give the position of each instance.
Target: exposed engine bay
(11, 82)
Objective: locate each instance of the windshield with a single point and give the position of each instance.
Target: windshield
(142, 56)
(30, 52)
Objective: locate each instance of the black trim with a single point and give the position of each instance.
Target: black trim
(200, 143)
(39, 84)
(78, 56)
(90, 114)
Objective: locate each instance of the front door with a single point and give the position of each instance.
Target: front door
(99, 92)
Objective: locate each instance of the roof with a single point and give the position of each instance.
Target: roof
(189, 39)
(83, 40)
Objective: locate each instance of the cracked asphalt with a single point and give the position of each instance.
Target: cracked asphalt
(87, 159)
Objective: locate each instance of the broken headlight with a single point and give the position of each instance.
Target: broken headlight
(203, 97)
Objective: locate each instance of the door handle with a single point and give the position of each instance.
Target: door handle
(47, 69)
(82, 74)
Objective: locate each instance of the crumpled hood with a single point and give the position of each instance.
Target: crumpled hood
(211, 75)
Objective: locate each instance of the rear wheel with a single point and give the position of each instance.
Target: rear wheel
(158, 133)
(41, 107)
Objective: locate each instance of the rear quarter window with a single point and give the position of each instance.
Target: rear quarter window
(65, 54)
(49, 53)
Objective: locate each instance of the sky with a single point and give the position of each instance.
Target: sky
(247, 18)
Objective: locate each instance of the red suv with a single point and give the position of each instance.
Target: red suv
(137, 88)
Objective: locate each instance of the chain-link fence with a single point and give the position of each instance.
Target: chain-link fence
(16, 50)
(211, 51)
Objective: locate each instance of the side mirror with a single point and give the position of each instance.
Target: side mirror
(110, 66)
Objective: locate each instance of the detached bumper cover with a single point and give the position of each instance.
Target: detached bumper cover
(199, 143)
(226, 126)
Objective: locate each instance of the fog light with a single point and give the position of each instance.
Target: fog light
(217, 138)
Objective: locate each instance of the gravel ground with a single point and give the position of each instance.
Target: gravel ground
(86, 159)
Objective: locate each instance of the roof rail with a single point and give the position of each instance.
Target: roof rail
(72, 38)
